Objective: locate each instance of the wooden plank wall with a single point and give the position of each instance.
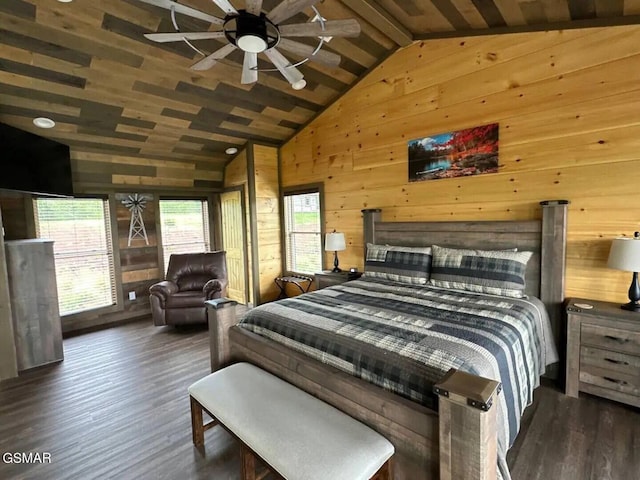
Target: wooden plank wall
(236, 174)
(15, 216)
(262, 208)
(103, 171)
(265, 160)
(139, 266)
(568, 104)
(8, 360)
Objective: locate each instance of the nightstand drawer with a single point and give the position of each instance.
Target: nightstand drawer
(606, 359)
(610, 338)
(603, 351)
(609, 379)
(329, 279)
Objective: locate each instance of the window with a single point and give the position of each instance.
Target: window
(83, 250)
(303, 238)
(185, 227)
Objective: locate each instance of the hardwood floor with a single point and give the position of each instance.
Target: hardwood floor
(117, 407)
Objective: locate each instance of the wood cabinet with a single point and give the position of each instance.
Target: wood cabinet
(603, 351)
(327, 278)
(33, 295)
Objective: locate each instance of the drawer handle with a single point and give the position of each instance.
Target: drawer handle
(617, 362)
(616, 339)
(615, 380)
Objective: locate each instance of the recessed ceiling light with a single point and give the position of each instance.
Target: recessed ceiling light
(231, 151)
(65, 1)
(43, 122)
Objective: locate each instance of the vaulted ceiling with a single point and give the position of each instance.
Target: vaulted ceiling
(87, 65)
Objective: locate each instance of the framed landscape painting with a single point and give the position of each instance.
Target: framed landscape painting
(472, 151)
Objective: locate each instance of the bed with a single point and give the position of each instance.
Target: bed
(398, 404)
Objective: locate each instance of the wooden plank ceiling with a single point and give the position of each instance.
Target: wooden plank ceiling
(115, 94)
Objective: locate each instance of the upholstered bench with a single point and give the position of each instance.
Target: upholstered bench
(298, 436)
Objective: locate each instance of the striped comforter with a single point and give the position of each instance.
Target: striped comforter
(405, 337)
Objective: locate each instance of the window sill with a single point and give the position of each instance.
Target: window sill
(94, 312)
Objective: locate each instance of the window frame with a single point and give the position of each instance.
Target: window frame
(301, 190)
(118, 306)
(213, 227)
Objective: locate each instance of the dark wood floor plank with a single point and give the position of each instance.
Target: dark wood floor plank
(117, 407)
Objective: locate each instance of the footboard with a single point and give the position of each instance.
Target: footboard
(460, 443)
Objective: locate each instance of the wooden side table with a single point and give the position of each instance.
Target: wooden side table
(327, 278)
(603, 351)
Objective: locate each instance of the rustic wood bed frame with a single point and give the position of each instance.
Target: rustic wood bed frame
(460, 443)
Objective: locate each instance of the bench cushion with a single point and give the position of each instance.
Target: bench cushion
(298, 435)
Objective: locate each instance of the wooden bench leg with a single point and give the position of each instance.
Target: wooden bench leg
(197, 423)
(248, 463)
(385, 472)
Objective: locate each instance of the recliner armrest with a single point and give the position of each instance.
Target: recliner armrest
(163, 290)
(214, 286)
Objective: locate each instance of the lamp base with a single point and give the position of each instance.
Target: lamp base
(336, 269)
(631, 306)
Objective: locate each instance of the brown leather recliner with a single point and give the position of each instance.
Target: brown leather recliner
(192, 278)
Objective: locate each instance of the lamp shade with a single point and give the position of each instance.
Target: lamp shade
(334, 242)
(625, 254)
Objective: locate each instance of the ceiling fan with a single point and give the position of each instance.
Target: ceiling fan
(253, 31)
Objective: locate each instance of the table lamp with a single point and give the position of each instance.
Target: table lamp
(334, 242)
(625, 255)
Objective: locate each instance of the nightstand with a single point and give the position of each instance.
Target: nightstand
(603, 351)
(327, 278)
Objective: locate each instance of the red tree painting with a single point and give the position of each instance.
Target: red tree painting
(472, 151)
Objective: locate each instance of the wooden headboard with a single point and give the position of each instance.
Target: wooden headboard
(546, 238)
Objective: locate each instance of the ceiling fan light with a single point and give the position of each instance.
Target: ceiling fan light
(44, 122)
(299, 85)
(252, 43)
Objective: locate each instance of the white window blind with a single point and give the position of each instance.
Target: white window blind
(184, 226)
(303, 241)
(83, 250)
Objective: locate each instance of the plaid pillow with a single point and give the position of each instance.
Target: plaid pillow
(497, 272)
(398, 264)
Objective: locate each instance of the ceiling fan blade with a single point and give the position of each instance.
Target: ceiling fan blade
(208, 62)
(332, 28)
(253, 6)
(292, 74)
(226, 7)
(288, 8)
(329, 59)
(179, 36)
(179, 8)
(249, 68)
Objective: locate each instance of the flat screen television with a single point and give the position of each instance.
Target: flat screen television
(34, 164)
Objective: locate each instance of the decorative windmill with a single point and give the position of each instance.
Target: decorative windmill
(136, 204)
